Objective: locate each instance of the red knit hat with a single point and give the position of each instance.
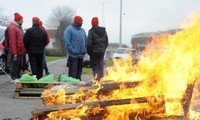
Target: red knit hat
(35, 19)
(95, 21)
(77, 19)
(17, 16)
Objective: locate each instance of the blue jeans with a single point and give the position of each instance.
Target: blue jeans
(97, 63)
(75, 67)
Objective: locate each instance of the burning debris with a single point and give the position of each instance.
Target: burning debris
(162, 85)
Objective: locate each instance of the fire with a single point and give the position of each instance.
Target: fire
(57, 96)
(166, 67)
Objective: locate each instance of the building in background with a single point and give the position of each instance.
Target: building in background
(140, 41)
(52, 36)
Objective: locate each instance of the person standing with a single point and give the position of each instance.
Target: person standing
(44, 60)
(16, 45)
(75, 44)
(97, 42)
(35, 40)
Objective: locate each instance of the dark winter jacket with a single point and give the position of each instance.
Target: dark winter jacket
(97, 40)
(35, 39)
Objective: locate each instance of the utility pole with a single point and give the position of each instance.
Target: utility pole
(102, 13)
(120, 26)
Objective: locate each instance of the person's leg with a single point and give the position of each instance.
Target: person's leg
(45, 65)
(97, 64)
(24, 63)
(67, 65)
(94, 63)
(39, 57)
(46, 68)
(100, 65)
(79, 69)
(21, 64)
(33, 63)
(15, 69)
(73, 63)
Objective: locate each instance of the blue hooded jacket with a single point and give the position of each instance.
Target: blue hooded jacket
(75, 41)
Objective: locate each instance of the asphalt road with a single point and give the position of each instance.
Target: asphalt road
(20, 109)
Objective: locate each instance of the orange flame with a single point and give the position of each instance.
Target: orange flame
(166, 67)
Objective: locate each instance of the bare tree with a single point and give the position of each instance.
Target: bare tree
(60, 18)
(1, 10)
(4, 20)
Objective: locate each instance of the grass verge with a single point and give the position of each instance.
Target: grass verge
(86, 70)
(53, 58)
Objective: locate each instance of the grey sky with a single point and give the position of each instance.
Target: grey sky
(138, 15)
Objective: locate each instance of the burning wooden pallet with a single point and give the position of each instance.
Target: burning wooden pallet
(156, 103)
(106, 89)
(35, 89)
(32, 89)
(40, 114)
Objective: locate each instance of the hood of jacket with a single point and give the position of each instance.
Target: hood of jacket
(15, 23)
(99, 30)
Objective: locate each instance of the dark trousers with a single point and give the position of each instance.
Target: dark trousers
(97, 63)
(36, 62)
(45, 64)
(75, 67)
(25, 63)
(16, 66)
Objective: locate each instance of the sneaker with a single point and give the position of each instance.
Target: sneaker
(14, 81)
(47, 73)
(27, 72)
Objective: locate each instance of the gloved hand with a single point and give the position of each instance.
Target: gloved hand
(15, 58)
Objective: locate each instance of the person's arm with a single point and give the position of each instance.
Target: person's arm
(89, 42)
(67, 40)
(47, 38)
(107, 42)
(20, 42)
(12, 37)
(26, 40)
(47, 35)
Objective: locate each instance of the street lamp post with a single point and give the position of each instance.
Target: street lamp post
(120, 26)
(102, 13)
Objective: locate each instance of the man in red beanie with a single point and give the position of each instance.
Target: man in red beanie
(97, 42)
(35, 40)
(44, 59)
(16, 45)
(75, 44)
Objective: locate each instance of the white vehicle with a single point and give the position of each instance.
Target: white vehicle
(122, 53)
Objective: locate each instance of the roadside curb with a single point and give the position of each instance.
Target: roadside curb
(56, 61)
